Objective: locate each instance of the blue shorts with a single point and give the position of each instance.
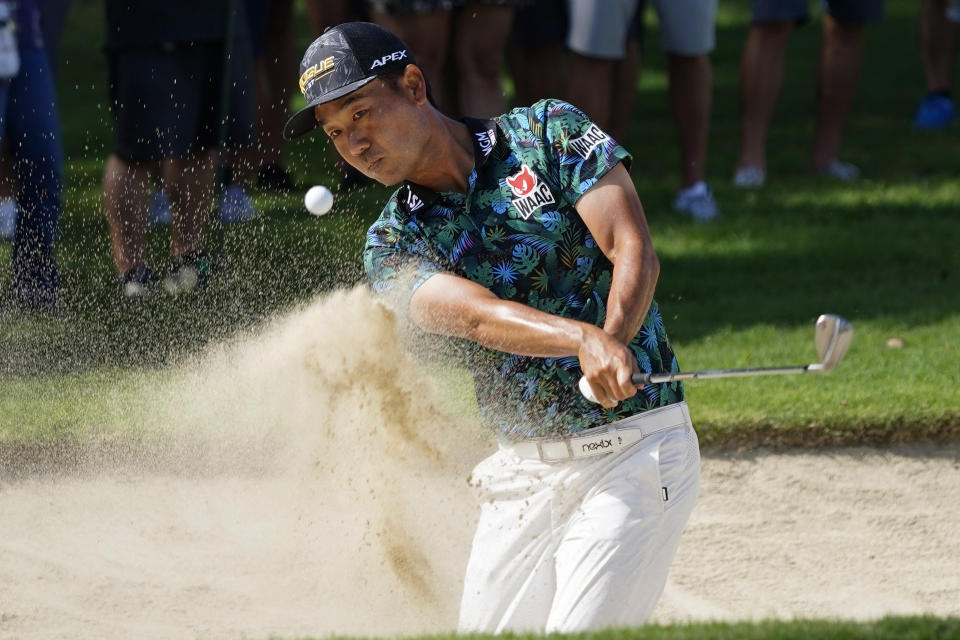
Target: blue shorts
(799, 10)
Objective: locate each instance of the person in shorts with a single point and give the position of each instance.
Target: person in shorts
(166, 69)
(472, 33)
(838, 71)
(598, 38)
(523, 234)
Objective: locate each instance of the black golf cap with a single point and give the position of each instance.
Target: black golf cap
(342, 60)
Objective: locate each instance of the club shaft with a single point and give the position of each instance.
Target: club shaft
(657, 378)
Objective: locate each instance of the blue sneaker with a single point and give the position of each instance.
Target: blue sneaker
(935, 112)
(8, 218)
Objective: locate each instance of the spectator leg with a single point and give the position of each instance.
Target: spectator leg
(189, 182)
(590, 87)
(761, 77)
(428, 36)
(691, 88)
(125, 189)
(841, 57)
(482, 33)
(938, 42)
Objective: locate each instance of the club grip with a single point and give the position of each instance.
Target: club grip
(587, 390)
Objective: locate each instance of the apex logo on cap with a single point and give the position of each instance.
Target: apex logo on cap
(390, 57)
(323, 68)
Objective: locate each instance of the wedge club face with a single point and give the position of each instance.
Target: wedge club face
(832, 336)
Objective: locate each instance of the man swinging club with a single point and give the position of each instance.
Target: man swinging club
(525, 235)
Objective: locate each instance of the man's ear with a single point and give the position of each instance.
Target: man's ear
(415, 84)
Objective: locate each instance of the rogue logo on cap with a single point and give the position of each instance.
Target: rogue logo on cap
(325, 67)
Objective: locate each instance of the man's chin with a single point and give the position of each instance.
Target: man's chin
(385, 180)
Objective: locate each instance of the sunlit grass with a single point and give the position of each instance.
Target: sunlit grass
(740, 293)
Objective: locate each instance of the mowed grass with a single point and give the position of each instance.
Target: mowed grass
(742, 292)
(891, 628)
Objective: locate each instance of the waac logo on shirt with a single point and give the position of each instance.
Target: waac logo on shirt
(586, 143)
(529, 192)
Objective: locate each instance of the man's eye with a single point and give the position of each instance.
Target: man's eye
(334, 133)
(359, 114)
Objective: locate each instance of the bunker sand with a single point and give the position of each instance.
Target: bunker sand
(310, 480)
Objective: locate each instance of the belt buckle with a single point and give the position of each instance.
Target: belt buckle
(544, 458)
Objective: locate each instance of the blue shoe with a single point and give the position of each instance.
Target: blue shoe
(236, 206)
(935, 112)
(8, 218)
(697, 202)
(160, 209)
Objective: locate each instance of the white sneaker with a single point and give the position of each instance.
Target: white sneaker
(236, 205)
(842, 171)
(749, 177)
(8, 218)
(697, 201)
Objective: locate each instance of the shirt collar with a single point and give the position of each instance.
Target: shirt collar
(485, 134)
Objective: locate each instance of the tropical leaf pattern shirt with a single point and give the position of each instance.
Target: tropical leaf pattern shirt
(517, 233)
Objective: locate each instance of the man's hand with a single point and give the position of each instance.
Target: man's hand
(607, 365)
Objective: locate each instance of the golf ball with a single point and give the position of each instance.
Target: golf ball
(318, 200)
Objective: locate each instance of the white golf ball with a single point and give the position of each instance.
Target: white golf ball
(318, 200)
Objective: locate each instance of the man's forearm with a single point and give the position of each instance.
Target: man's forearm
(449, 305)
(634, 280)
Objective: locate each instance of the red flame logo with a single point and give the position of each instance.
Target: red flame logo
(522, 183)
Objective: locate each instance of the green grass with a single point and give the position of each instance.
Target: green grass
(890, 628)
(742, 292)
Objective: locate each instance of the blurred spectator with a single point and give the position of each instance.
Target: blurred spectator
(474, 32)
(166, 77)
(329, 13)
(537, 51)
(273, 57)
(938, 49)
(598, 41)
(838, 71)
(53, 15)
(28, 116)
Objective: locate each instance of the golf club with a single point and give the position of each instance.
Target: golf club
(832, 336)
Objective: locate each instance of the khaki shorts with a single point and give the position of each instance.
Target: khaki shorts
(598, 28)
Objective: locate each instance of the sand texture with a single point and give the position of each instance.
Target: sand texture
(306, 480)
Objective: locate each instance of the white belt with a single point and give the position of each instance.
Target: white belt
(607, 438)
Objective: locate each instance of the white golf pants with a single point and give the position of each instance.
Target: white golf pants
(578, 545)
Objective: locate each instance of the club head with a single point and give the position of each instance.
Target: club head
(832, 336)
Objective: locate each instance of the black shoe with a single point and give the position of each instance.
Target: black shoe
(273, 177)
(137, 283)
(187, 273)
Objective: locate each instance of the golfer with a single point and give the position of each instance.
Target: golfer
(525, 235)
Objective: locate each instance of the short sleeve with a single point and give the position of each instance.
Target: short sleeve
(582, 151)
(397, 259)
